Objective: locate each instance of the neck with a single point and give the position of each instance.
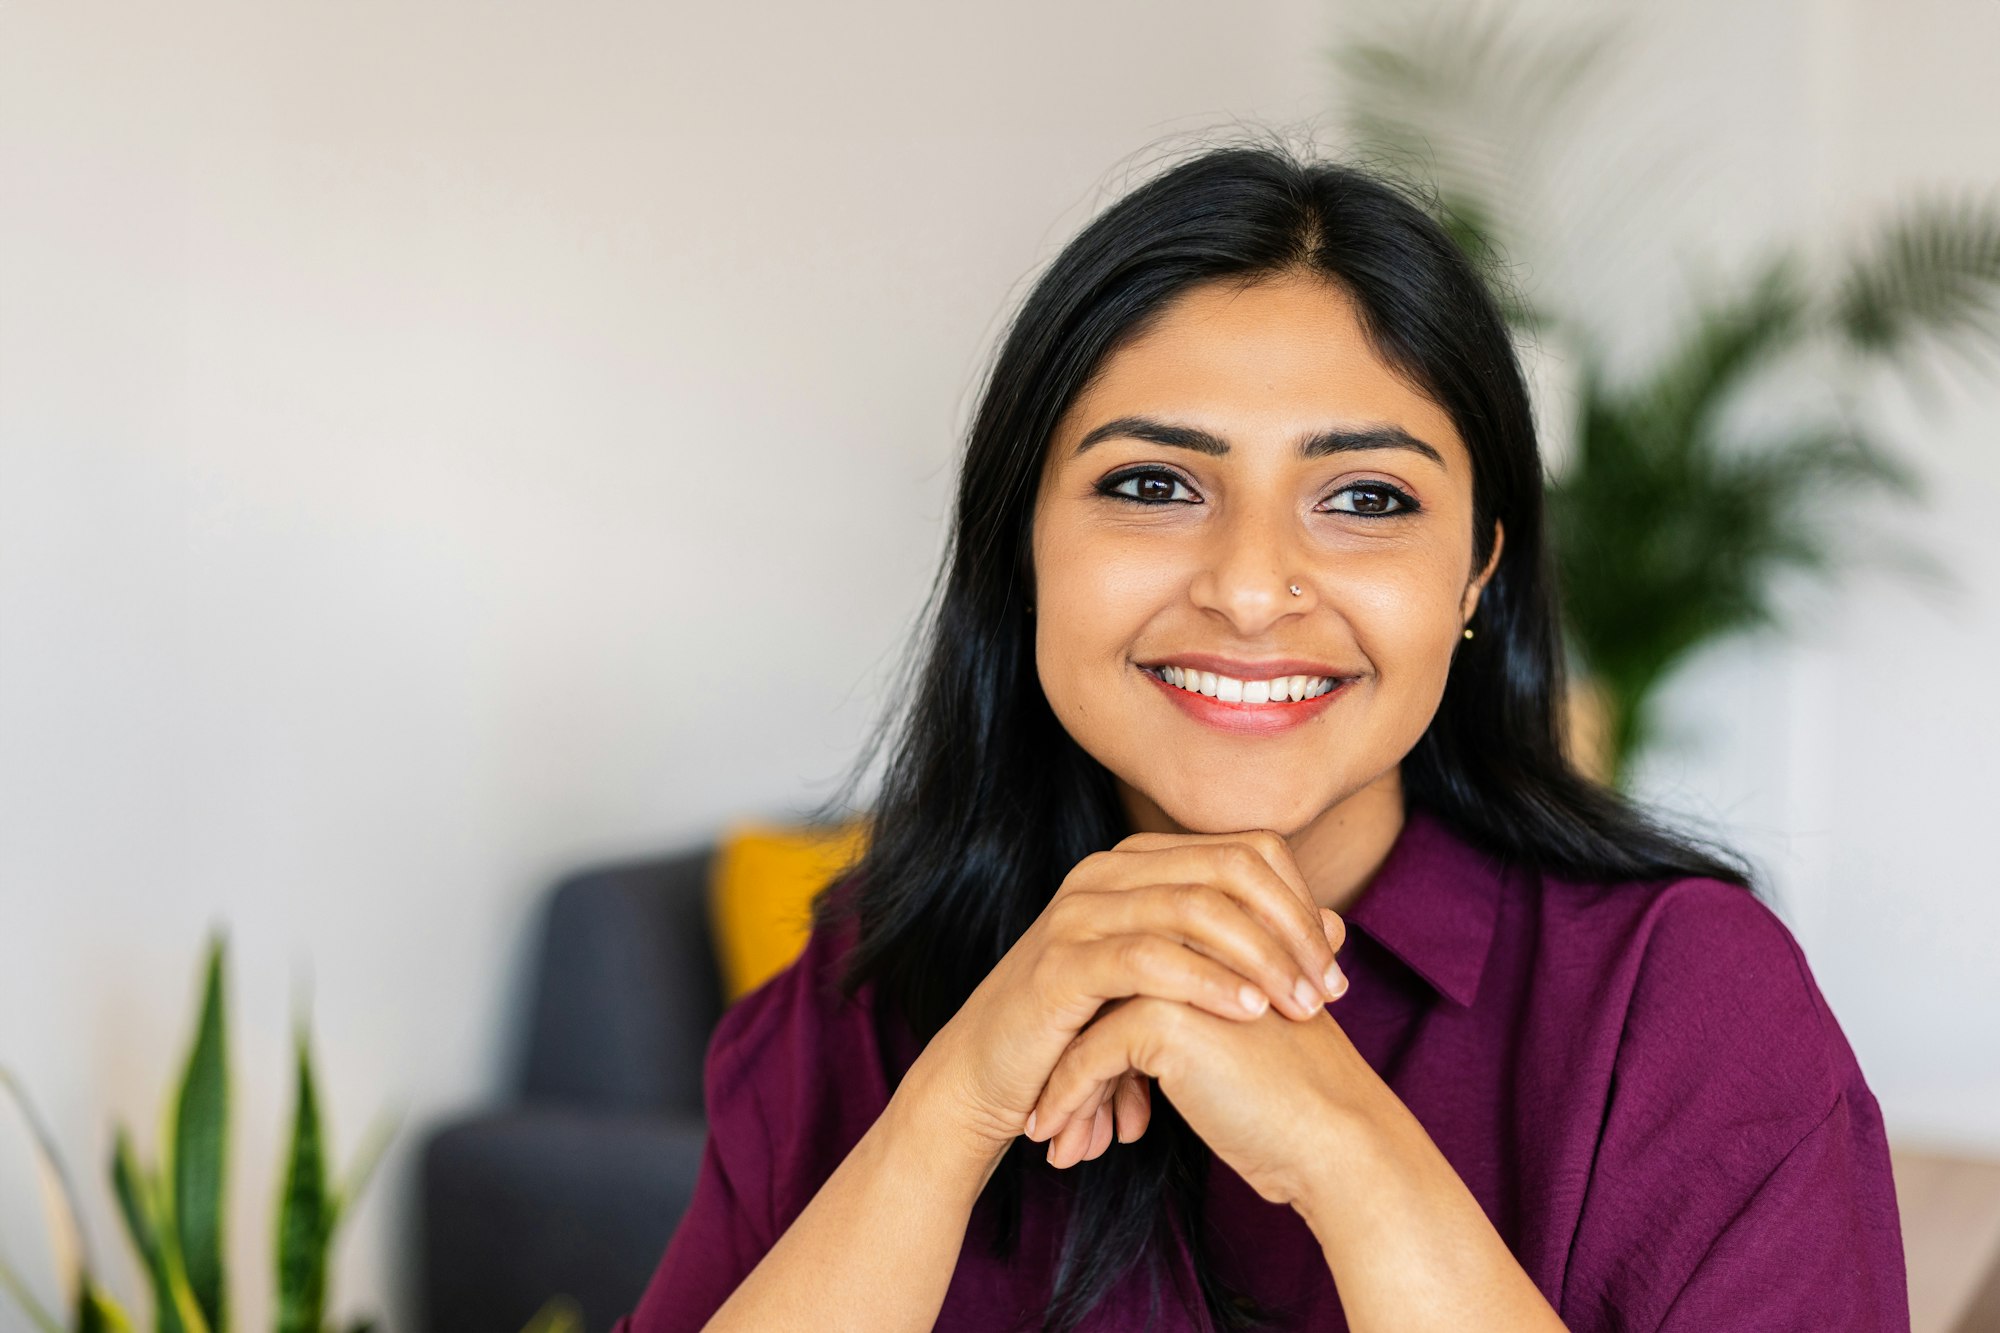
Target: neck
(1339, 852)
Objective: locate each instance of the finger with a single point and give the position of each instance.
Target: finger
(1134, 1106)
(1149, 964)
(1240, 865)
(1100, 1053)
(1211, 922)
(1070, 1141)
(1095, 1118)
(1336, 935)
(1100, 1130)
(1277, 853)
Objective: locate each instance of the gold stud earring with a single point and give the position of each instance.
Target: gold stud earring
(1468, 631)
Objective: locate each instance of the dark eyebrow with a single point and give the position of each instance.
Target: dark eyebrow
(1318, 444)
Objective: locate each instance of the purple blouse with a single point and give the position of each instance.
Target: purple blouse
(1640, 1083)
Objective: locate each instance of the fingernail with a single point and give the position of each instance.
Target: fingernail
(1252, 999)
(1336, 981)
(1031, 1124)
(1304, 994)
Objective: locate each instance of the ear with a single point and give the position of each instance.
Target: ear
(1471, 600)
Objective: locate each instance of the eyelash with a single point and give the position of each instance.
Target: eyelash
(1108, 489)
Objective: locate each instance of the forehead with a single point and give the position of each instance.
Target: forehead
(1258, 363)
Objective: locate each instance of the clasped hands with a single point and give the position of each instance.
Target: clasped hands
(1199, 960)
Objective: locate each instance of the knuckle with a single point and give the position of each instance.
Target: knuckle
(1088, 868)
(1047, 971)
(1266, 841)
(1063, 912)
(1138, 955)
(1187, 902)
(1234, 858)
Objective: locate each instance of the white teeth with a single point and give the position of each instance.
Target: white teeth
(1282, 689)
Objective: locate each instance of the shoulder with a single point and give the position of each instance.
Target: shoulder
(794, 1018)
(1713, 1009)
(1719, 971)
(794, 1075)
(1738, 1146)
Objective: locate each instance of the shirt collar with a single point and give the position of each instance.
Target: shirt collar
(1433, 904)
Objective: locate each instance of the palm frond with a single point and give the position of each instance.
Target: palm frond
(1730, 340)
(1661, 551)
(1930, 277)
(1465, 103)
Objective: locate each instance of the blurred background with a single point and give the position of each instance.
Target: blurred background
(445, 446)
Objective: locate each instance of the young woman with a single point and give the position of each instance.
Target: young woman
(1246, 655)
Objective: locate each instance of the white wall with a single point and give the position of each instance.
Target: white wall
(442, 443)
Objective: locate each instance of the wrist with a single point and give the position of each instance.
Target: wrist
(1358, 1155)
(929, 1118)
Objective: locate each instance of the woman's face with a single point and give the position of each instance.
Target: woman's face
(1251, 440)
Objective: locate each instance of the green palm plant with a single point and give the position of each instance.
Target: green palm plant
(1672, 519)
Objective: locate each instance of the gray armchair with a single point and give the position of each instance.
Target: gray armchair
(575, 1185)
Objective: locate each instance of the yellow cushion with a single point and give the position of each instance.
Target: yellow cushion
(761, 887)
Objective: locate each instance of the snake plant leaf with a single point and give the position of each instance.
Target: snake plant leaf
(366, 1159)
(199, 1160)
(39, 1316)
(1933, 271)
(146, 1207)
(128, 1182)
(67, 1239)
(97, 1312)
(306, 1209)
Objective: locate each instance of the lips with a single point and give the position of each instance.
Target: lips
(1245, 669)
(1250, 718)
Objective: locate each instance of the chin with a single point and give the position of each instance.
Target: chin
(1216, 814)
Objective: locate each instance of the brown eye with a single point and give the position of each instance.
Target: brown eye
(1373, 499)
(1154, 486)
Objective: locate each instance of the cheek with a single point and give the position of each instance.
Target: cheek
(1406, 622)
(1096, 588)
(1094, 596)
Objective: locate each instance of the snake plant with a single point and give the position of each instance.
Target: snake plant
(174, 1213)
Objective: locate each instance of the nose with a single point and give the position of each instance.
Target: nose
(1253, 560)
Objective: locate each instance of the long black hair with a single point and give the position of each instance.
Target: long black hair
(986, 802)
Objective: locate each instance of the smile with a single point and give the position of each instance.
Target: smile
(1255, 706)
(1277, 690)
